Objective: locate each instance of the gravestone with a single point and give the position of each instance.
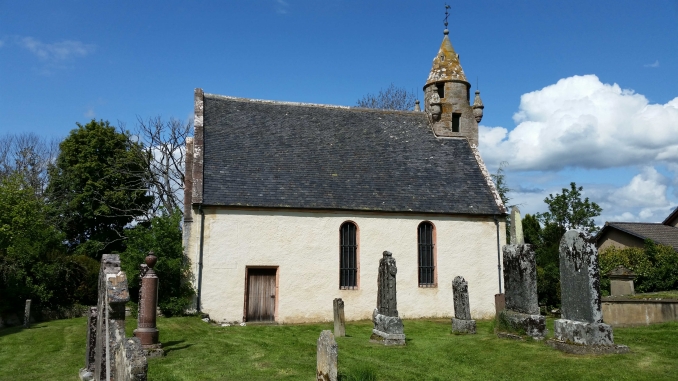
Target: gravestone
(521, 311)
(581, 328)
(516, 231)
(388, 328)
(339, 319)
(462, 322)
(27, 314)
(116, 357)
(148, 304)
(621, 281)
(327, 354)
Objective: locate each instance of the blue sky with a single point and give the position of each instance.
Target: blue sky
(573, 91)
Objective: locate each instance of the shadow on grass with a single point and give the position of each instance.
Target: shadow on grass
(16, 329)
(172, 346)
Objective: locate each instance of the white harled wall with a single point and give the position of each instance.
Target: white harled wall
(305, 248)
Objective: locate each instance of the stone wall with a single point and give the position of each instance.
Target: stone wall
(237, 239)
(625, 312)
(109, 354)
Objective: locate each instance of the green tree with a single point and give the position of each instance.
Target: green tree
(33, 264)
(499, 181)
(162, 235)
(569, 211)
(97, 187)
(566, 211)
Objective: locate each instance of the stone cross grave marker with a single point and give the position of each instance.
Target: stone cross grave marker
(327, 354)
(582, 317)
(462, 322)
(339, 319)
(388, 328)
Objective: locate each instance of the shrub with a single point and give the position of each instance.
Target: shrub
(655, 266)
(162, 235)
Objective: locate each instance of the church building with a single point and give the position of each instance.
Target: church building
(290, 205)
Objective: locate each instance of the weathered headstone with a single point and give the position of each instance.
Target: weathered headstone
(326, 357)
(521, 311)
(462, 322)
(115, 357)
(27, 314)
(621, 281)
(339, 319)
(388, 328)
(517, 237)
(148, 303)
(582, 317)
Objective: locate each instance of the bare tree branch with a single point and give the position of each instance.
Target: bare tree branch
(393, 98)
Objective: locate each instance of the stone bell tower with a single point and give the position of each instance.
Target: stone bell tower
(447, 97)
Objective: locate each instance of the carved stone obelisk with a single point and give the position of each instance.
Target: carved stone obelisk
(148, 303)
(388, 328)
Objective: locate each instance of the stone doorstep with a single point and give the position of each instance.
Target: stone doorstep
(387, 338)
(463, 326)
(579, 349)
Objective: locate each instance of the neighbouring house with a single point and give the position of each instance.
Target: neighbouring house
(290, 205)
(634, 234)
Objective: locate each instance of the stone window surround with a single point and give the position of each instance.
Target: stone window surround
(435, 256)
(357, 256)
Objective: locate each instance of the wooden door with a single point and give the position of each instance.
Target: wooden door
(261, 294)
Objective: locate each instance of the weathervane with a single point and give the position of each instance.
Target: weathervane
(447, 14)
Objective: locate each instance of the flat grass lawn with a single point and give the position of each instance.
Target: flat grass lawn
(199, 351)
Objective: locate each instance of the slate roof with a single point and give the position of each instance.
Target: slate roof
(659, 233)
(274, 154)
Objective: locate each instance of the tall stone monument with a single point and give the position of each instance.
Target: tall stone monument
(388, 328)
(326, 357)
(581, 329)
(520, 283)
(148, 303)
(462, 322)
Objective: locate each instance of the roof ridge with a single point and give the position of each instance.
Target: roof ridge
(643, 223)
(306, 104)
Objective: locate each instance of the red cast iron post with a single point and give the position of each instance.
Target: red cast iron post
(148, 303)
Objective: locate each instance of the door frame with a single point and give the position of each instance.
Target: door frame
(277, 292)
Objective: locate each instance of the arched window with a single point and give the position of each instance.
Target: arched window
(348, 258)
(426, 255)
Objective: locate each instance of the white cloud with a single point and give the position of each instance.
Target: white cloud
(2, 42)
(57, 51)
(90, 113)
(582, 122)
(655, 64)
(647, 189)
(282, 7)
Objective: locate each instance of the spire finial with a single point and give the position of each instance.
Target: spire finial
(447, 14)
